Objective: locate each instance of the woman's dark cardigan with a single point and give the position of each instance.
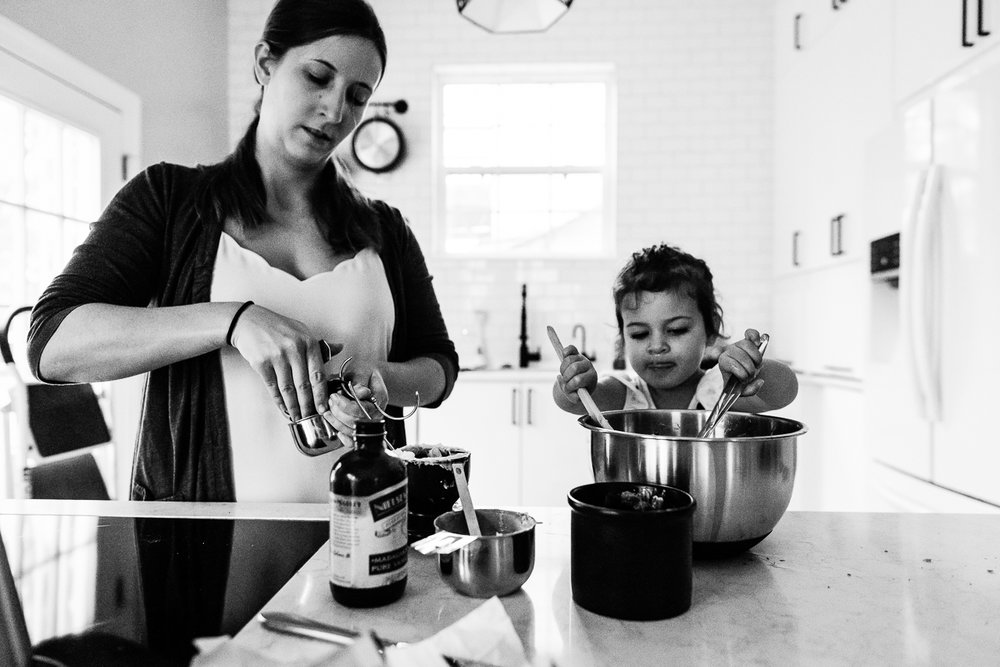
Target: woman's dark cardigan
(151, 248)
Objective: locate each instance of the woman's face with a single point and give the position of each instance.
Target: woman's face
(664, 336)
(314, 96)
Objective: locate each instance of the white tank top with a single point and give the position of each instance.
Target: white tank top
(351, 304)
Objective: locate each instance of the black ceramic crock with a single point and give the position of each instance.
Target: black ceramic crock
(630, 564)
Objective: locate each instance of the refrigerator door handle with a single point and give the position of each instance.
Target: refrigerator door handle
(923, 302)
(907, 277)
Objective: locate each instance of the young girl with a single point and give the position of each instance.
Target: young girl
(668, 317)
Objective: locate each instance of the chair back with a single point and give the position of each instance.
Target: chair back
(55, 420)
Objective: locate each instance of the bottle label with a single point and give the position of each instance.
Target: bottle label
(368, 545)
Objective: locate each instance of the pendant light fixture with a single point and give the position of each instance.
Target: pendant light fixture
(511, 16)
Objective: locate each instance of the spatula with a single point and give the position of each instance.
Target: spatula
(585, 397)
(463, 494)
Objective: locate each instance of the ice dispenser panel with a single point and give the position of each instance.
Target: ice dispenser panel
(885, 259)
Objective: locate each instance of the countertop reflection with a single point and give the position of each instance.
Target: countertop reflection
(155, 582)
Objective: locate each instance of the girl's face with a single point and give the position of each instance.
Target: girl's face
(664, 335)
(314, 96)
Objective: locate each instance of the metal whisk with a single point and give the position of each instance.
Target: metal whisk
(730, 393)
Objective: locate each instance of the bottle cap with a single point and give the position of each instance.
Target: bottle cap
(370, 427)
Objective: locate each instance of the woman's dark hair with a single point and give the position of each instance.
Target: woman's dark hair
(662, 268)
(234, 188)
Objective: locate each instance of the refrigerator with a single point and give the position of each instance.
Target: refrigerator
(932, 213)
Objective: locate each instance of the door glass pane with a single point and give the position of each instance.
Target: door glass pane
(81, 158)
(42, 139)
(43, 252)
(50, 191)
(11, 254)
(11, 148)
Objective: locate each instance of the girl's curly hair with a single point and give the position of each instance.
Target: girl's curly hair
(663, 268)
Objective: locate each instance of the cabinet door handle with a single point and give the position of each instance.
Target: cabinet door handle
(795, 248)
(528, 407)
(836, 235)
(797, 34)
(513, 406)
(980, 28)
(965, 19)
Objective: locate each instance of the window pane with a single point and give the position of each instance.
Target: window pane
(11, 148)
(523, 105)
(470, 105)
(469, 148)
(468, 206)
(81, 174)
(523, 145)
(577, 192)
(11, 255)
(528, 141)
(41, 161)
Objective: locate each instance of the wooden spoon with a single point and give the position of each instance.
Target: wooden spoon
(463, 494)
(585, 397)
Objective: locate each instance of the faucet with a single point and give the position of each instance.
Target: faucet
(583, 341)
(526, 356)
(583, 337)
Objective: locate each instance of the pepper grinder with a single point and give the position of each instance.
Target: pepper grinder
(526, 356)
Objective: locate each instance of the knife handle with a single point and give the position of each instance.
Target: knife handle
(293, 624)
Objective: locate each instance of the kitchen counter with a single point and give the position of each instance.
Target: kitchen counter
(823, 588)
(843, 588)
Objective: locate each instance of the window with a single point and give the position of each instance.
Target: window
(50, 190)
(524, 161)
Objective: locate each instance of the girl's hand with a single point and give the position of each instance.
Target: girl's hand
(344, 413)
(287, 357)
(576, 372)
(743, 359)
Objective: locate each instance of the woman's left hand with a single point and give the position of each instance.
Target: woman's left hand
(344, 412)
(743, 359)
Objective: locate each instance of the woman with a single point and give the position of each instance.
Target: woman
(250, 266)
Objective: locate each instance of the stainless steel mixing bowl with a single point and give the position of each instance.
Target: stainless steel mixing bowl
(742, 479)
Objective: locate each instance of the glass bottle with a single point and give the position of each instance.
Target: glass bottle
(368, 543)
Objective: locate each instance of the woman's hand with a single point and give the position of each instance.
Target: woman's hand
(743, 359)
(288, 358)
(344, 413)
(576, 372)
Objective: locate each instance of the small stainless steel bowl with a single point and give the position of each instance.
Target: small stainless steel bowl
(314, 435)
(742, 480)
(499, 562)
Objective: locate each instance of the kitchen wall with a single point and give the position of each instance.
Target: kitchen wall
(694, 133)
(694, 150)
(171, 53)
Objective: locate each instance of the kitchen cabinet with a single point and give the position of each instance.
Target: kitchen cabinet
(832, 461)
(525, 450)
(933, 38)
(832, 90)
(820, 320)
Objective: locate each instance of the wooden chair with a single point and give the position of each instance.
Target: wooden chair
(59, 426)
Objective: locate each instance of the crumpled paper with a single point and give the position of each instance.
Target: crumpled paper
(485, 636)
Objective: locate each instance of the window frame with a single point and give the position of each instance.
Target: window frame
(521, 74)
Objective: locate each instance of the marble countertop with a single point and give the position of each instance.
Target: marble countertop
(823, 588)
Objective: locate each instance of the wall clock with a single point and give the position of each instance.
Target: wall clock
(378, 144)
